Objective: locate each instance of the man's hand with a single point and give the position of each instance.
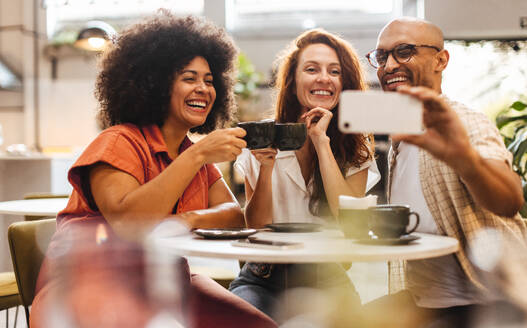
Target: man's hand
(445, 136)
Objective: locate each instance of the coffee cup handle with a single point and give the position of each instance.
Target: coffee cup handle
(416, 222)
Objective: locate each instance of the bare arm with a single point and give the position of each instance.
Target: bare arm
(223, 212)
(133, 209)
(491, 183)
(259, 208)
(334, 182)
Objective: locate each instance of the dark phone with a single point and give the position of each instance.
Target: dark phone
(264, 243)
(271, 242)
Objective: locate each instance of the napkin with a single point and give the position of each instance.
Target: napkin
(357, 202)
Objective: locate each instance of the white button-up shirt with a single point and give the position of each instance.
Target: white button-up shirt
(290, 194)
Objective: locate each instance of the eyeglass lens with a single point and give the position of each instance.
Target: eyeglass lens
(401, 53)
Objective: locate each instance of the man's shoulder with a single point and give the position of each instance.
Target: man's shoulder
(465, 113)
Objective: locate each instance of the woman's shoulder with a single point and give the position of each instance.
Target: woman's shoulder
(116, 141)
(126, 129)
(121, 135)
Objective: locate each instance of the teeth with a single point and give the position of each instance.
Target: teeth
(197, 103)
(321, 92)
(397, 79)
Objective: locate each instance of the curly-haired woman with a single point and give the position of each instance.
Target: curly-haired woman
(161, 79)
(304, 185)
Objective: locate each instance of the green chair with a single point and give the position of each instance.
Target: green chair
(9, 296)
(28, 242)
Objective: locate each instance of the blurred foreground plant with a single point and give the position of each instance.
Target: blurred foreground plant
(512, 123)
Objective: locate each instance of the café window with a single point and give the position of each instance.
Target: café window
(486, 75)
(67, 14)
(260, 17)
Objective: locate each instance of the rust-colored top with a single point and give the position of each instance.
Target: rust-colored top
(140, 152)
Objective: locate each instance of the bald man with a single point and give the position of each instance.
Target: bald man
(457, 175)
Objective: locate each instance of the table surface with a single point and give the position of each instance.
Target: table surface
(318, 247)
(37, 207)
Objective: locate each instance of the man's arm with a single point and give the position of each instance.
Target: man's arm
(491, 183)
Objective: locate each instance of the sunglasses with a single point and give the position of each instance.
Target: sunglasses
(401, 53)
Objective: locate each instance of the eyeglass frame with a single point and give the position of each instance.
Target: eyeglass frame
(391, 52)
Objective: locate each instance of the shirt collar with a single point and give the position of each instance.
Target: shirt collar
(292, 168)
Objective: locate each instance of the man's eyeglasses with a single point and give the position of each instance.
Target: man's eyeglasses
(401, 53)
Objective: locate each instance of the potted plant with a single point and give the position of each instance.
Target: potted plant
(245, 89)
(512, 123)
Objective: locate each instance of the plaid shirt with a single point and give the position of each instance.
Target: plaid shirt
(453, 209)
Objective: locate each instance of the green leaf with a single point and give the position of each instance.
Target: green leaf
(518, 105)
(501, 121)
(519, 152)
(523, 210)
(516, 140)
(520, 129)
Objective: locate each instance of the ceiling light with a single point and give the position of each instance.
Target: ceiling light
(95, 36)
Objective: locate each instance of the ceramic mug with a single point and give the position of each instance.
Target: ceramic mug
(260, 134)
(391, 221)
(290, 136)
(354, 222)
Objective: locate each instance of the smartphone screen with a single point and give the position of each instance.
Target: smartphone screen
(264, 243)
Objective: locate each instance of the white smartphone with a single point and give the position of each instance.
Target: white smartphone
(379, 112)
(267, 244)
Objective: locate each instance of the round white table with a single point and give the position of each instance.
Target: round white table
(318, 247)
(36, 207)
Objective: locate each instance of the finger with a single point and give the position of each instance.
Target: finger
(308, 121)
(319, 114)
(236, 151)
(418, 140)
(411, 90)
(266, 155)
(238, 142)
(430, 98)
(263, 151)
(238, 132)
(318, 111)
(267, 149)
(315, 109)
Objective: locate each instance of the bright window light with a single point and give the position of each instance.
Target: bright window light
(291, 15)
(60, 12)
(276, 6)
(486, 75)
